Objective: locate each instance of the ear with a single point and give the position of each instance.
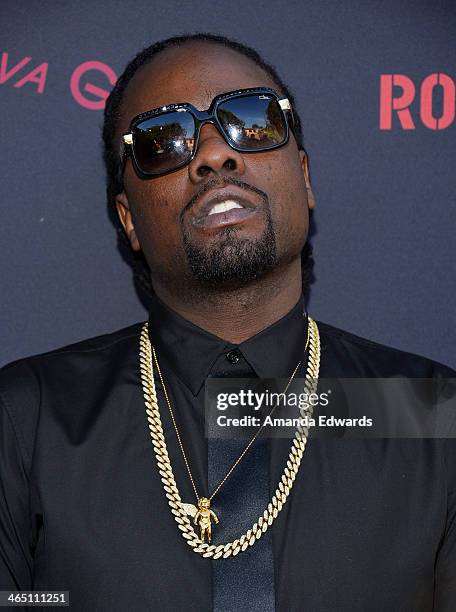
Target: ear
(305, 168)
(125, 216)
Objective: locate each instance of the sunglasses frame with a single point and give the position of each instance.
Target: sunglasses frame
(200, 118)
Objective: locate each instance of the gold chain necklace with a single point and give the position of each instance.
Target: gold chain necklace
(178, 508)
(202, 512)
(244, 452)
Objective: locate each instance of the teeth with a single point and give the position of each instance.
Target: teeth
(224, 207)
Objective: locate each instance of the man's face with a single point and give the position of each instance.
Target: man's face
(168, 218)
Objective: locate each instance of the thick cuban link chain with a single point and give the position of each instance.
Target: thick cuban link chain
(166, 472)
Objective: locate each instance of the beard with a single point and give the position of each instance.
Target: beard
(233, 261)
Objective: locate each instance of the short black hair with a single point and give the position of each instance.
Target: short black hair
(111, 152)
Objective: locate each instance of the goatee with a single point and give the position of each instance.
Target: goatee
(233, 260)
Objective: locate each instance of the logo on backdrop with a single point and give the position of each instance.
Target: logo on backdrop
(432, 102)
(404, 103)
(89, 83)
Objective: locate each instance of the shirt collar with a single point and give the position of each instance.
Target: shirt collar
(191, 351)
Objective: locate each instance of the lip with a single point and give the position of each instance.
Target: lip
(230, 217)
(201, 209)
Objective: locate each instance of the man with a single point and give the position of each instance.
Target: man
(90, 506)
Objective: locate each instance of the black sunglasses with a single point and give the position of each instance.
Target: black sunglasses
(165, 139)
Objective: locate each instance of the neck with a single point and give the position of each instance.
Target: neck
(237, 314)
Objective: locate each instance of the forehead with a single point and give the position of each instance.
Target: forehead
(195, 73)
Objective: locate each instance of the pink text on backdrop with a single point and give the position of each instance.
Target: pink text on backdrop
(37, 75)
(100, 93)
(21, 73)
(407, 96)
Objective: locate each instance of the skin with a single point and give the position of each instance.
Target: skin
(151, 211)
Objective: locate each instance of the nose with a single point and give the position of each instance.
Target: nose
(214, 156)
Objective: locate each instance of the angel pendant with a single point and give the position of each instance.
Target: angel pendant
(202, 515)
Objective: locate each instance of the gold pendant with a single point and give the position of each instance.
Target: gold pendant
(203, 516)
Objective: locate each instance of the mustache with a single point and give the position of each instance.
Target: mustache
(223, 182)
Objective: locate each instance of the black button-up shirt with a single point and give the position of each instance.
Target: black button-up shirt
(369, 524)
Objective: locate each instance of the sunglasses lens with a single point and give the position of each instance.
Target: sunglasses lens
(164, 142)
(253, 121)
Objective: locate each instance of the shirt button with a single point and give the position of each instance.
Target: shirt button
(233, 356)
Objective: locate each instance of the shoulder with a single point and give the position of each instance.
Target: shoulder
(28, 383)
(347, 354)
(57, 361)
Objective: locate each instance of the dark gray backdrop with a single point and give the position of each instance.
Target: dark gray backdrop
(385, 243)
